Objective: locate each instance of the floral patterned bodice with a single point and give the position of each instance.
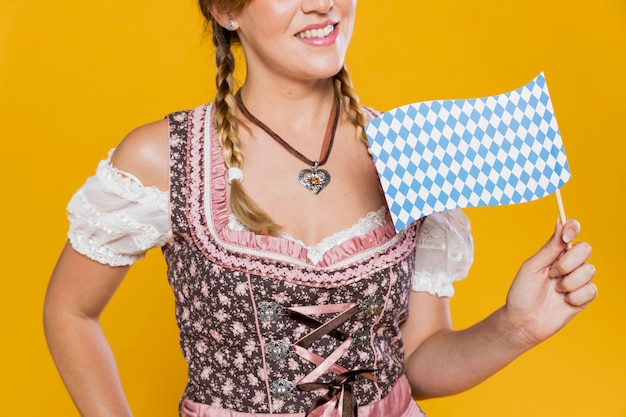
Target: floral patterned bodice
(263, 329)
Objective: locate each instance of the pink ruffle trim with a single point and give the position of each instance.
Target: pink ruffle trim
(272, 244)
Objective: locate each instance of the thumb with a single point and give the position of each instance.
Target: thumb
(555, 246)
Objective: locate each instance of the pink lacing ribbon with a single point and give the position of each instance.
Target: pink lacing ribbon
(339, 391)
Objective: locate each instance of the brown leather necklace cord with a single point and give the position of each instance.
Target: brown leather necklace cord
(329, 136)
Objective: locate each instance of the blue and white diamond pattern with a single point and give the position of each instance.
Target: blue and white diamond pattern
(445, 154)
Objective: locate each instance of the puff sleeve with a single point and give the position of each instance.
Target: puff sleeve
(444, 252)
(115, 219)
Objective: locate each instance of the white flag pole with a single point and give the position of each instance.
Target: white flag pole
(559, 202)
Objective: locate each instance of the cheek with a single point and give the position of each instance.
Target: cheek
(348, 8)
(273, 14)
(348, 12)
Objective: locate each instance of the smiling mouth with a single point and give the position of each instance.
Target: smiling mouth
(316, 33)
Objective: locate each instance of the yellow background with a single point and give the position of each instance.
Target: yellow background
(75, 76)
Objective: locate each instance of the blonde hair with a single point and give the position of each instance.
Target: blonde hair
(240, 203)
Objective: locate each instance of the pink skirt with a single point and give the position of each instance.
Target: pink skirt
(399, 403)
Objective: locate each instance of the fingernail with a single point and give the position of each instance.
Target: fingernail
(567, 236)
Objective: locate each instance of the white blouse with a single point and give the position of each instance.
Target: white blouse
(115, 219)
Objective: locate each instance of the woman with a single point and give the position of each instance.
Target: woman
(294, 294)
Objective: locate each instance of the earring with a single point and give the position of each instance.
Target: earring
(231, 25)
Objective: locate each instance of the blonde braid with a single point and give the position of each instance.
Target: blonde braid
(240, 203)
(351, 103)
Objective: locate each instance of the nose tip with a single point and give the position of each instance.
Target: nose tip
(320, 6)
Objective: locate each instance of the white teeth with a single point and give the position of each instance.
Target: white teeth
(316, 33)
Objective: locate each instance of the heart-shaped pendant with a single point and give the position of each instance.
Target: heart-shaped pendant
(314, 179)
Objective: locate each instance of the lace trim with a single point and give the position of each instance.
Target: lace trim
(445, 252)
(115, 219)
(114, 224)
(435, 284)
(91, 249)
(86, 220)
(442, 236)
(130, 187)
(370, 222)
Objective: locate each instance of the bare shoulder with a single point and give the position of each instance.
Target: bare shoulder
(144, 153)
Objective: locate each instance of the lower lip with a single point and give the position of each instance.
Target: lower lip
(328, 40)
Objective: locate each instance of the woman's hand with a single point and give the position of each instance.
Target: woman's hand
(551, 287)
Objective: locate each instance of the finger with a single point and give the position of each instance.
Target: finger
(577, 278)
(554, 247)
(571, 229)
(583, 295)
(572, 259)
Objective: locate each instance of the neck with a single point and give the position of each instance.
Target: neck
(296, 107)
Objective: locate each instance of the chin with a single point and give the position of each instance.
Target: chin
(324, 72)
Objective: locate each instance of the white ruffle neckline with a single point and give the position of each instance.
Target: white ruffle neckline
(370, 222)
